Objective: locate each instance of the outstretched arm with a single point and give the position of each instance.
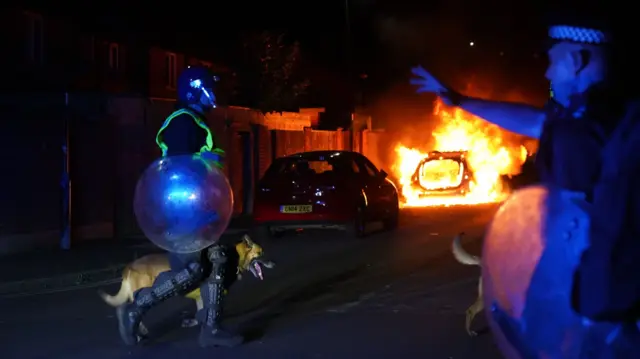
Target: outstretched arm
(519, 118)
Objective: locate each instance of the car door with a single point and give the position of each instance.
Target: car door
(372, 182)
(355, 178)
(386, 192)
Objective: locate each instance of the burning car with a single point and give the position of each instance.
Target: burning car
(442, 174)
(469, 166)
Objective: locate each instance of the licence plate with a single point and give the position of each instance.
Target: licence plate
(306, 208)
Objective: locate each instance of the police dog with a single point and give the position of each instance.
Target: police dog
(465, 258)
(142, 272)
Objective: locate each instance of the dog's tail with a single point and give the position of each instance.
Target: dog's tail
(121, 297)
(461, 255)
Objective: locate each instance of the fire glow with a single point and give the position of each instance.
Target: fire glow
(488, 154)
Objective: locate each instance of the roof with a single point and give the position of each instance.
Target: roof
(329, 153)
(114, 24)
(457, 155)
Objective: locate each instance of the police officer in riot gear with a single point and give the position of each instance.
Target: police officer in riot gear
(213, 269)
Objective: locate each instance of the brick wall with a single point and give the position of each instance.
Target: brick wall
(112, 142)
(164, 67)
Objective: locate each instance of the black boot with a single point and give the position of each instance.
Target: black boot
(212, 291)
(167, 285)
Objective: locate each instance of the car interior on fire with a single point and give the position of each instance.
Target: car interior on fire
(438, 173)
(442, 172)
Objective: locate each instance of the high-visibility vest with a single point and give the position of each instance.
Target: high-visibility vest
(209, 146)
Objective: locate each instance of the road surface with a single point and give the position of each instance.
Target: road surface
(389, 294)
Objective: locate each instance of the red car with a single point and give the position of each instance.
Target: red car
(324, 189)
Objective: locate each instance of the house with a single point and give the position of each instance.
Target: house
(102, 94)
(51, 53)
(78, 85)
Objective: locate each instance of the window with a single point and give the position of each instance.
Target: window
(317, 167)
(355, 167)
(35, 41)
(114, 56)
(298, 167)
(369, 167)
(439, 174)
(170, 70)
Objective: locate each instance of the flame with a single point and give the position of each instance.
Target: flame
(488, 154)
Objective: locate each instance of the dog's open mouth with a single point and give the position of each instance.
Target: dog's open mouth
(256, 270)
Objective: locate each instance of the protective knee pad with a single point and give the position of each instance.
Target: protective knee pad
(217, 255)
(169, 284)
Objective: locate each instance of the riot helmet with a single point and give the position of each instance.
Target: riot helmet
(195, 87)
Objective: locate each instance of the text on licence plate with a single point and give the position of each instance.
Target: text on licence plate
(306, 208)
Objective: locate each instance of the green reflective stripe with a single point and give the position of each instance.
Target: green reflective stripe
(208, 163)
(209, 143)
(166, 123)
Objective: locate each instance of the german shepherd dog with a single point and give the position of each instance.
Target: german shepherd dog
(464, 257)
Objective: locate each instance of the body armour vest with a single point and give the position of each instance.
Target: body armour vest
(208, 149)
(569, 153)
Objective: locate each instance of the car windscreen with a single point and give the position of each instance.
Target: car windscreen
(437, 174)
(306, 167)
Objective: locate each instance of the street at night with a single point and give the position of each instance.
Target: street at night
(385, 295)
(357, 179)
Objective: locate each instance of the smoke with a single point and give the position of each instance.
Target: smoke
(441, 44)
(440, 41)
(411, 40)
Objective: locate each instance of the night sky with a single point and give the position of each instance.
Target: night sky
(387, 38)
(320, 26)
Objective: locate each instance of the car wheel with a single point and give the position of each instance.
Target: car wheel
(358, 226)
(393, 218)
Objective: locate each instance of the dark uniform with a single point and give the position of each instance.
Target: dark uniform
(607, 281)
(183, 136)
(593, 148)
(569, 149)
(607, 285)
(213, 269)
(601, 160)
(599, 155)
